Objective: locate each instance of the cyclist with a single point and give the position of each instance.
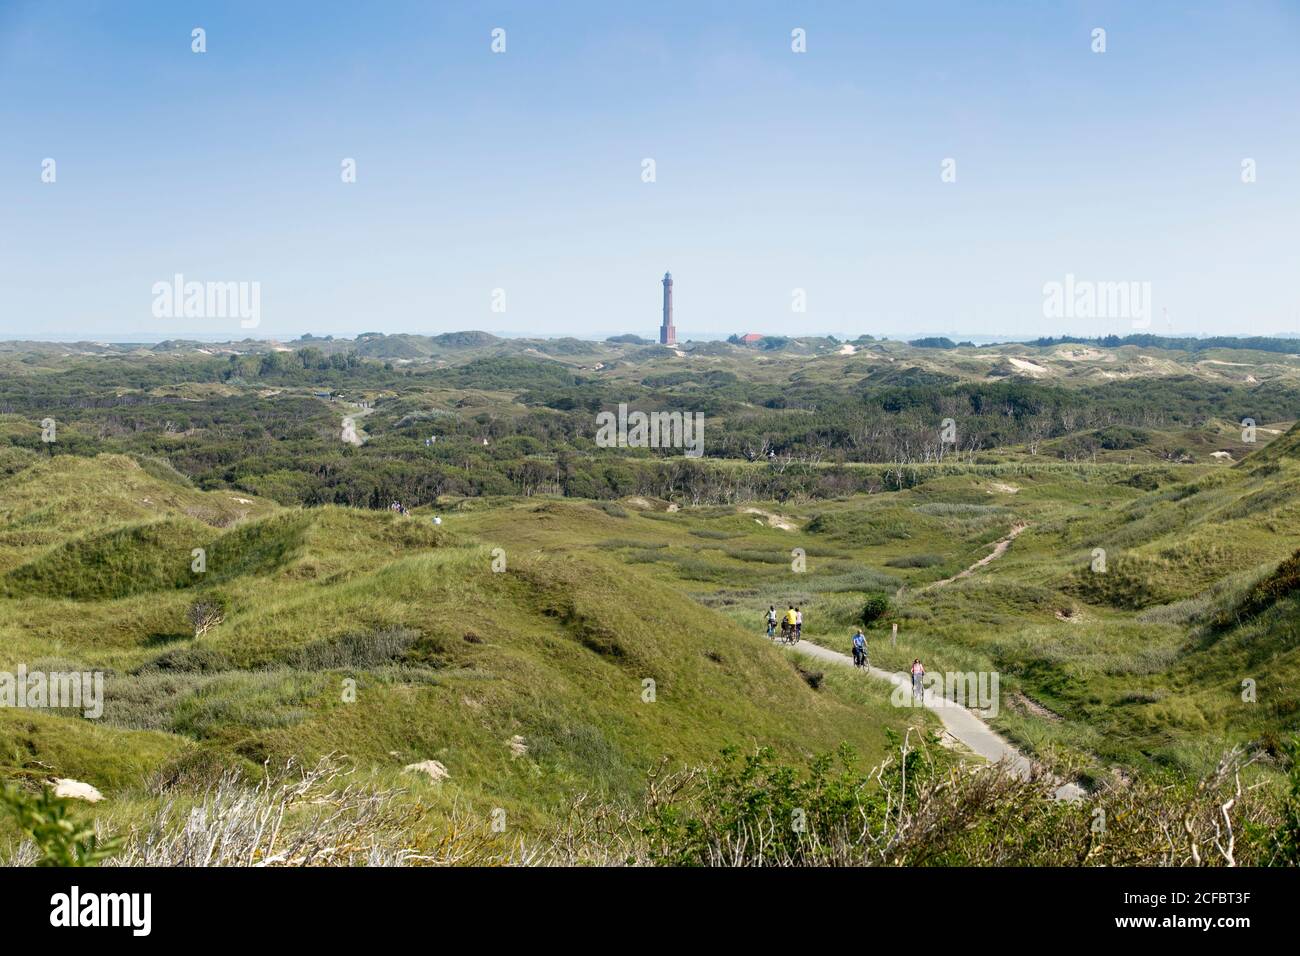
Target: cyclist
(859, 649)
(771, 621)
(787, 624)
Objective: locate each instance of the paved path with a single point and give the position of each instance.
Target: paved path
(959, 721)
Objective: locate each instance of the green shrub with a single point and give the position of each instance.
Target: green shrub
(1281, 584)
(48, 822)
(796, 813)
(188, 660)
(876, 609)
(1285, 839)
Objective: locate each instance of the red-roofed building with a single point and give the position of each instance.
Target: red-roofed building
(751, 337)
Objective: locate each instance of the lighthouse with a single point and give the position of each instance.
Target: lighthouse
(667, 331)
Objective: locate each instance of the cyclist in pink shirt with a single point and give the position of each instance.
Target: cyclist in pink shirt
(918, 673)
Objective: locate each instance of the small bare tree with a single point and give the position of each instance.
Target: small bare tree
(205, 615)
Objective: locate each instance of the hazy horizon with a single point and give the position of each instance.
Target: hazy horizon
(516, 180)
(976, 339)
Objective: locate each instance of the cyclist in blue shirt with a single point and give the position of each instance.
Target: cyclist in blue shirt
(859, 650)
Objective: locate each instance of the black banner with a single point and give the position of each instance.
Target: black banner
(916, 906)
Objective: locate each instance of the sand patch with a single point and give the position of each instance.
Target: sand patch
(76, 790)
(1030, 706)
(642, 503)
(1083, 355)
(1029, 368)
(773, 520)
(435, 770)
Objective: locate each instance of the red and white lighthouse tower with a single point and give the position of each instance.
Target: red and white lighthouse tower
(667, 331)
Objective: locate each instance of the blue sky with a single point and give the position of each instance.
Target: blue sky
(522, 171)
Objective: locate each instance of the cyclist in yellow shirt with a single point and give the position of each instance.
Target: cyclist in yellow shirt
(787, 623)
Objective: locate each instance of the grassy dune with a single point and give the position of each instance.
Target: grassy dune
(527, 684)
(517, 643)
(1125, 667)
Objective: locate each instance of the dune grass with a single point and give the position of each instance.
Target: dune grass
(391, 642)
(539, 649)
